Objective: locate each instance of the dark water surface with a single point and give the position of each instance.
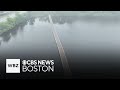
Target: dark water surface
(92, 46)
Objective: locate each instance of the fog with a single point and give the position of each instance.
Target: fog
(91, 39)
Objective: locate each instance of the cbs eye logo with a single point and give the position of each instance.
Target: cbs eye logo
(12, 65)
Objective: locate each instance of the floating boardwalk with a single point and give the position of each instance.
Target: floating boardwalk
(67, 71)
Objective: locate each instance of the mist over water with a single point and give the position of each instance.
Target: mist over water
(89, 43)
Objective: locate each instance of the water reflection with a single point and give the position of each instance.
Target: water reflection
(14, 32)
(97, 19)
(79, 39)
(63, 19)
(21, 26)
(43, 18)
(59, 19)
(71, 19)
(0, 42)
(56, 19)
(32, 21)
(5, 37)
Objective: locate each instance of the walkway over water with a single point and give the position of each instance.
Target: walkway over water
(91, 46)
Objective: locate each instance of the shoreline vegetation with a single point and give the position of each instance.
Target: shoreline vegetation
(12, 22)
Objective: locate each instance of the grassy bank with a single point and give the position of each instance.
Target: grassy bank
(11, 23)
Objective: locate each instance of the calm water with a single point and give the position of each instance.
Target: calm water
(89, 43)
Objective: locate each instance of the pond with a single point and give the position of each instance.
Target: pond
(92, 45)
